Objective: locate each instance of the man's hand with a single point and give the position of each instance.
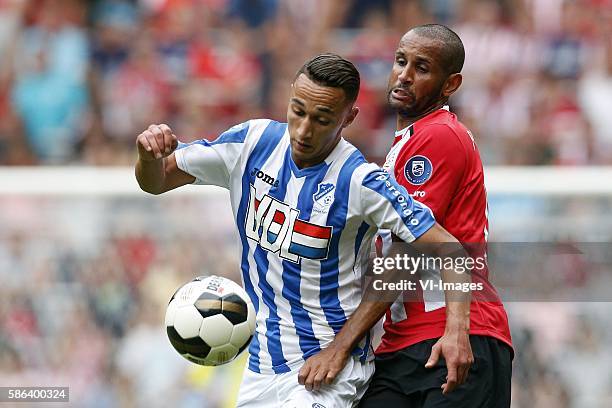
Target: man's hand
(457, 352)
(156, 142)
(323, 367)
(156, 169)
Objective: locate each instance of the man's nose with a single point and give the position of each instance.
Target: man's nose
(406, 75)
(304, 129)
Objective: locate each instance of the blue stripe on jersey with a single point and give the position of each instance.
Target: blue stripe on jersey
(292, 277)
(363, 228)
(330, 302)
(273, 336)
(408, 209)
(261, 152)
(236, 134)
(279, 364)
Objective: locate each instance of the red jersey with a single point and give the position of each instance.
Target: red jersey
(437, 161)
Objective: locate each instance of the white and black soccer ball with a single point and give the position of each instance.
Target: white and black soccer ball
(210, 320)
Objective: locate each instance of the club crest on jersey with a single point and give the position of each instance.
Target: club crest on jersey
(418, 170)
(275, 226)
(323, 198)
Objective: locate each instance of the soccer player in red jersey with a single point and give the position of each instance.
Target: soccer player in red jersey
(425, 360)
(435, 158)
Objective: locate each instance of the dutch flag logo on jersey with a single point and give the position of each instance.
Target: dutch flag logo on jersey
(275, 226)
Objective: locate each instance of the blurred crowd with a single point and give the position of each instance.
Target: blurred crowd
(85, 284)
(80, 79)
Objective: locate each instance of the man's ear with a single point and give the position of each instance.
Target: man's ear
(350, 117)
(453, 82)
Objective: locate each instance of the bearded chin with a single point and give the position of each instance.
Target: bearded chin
(405, 112)
(419, 109)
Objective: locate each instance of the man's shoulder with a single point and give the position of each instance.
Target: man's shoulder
(261, 125)
(267, 121)
(345, 154)
(444, 130)
(252, 131)
(352, 162)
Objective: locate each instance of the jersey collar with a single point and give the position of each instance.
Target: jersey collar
(409, 130)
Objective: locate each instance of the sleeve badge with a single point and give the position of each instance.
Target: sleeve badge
(418, 170)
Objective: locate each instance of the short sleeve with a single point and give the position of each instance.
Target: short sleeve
(388, 205)
(212, 162)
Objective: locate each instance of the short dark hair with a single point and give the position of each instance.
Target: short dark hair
(334, 71)
(453, 53)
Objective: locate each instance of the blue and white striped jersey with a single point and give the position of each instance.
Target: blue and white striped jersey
(305, 234)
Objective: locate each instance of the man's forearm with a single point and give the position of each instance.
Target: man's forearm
(458, 295)
(150, 175)
(363, 319)
(457, 302)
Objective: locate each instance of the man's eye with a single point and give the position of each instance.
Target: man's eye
(400, 61)
(298, 112)
(421, 68)
(323, 122)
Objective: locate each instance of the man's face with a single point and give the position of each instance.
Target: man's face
(316, 116)
(417, 77)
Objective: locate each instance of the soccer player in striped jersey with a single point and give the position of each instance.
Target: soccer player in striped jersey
(307, 206)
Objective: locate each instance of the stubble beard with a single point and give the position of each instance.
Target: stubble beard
(415, 110)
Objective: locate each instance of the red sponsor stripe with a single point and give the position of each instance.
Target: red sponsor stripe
(312, 230)
(257, 204)
(279, 217)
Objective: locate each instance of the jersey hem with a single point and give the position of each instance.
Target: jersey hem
(417, 339)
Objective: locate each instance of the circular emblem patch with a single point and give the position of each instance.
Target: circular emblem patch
(418, 169)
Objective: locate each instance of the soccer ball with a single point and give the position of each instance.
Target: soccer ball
(210, 320)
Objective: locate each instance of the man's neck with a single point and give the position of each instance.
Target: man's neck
(405, 121)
